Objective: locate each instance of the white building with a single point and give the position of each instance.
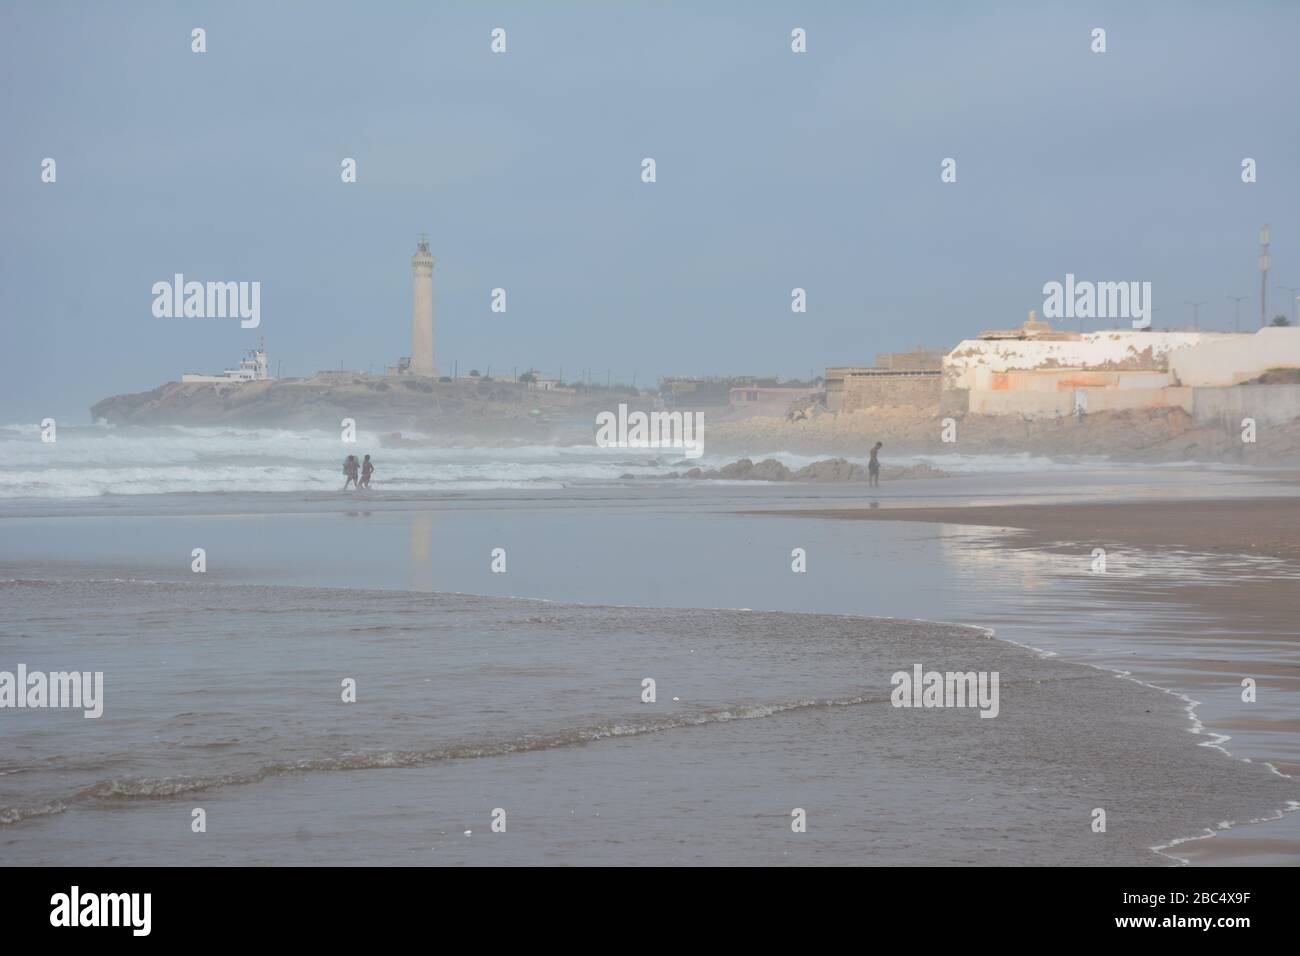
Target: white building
(252, 368)
(1034, 371)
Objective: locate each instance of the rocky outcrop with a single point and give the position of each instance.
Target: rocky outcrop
(482, 407)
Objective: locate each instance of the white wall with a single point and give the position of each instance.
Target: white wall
(1267, 404)
(1035, 404)
(1122, 349)
(1237, 359)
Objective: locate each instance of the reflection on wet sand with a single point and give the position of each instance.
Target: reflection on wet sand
(1197, 624)
(421, 537)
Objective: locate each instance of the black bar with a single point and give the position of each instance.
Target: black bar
(989, 906)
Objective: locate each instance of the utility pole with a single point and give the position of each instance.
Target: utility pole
(1236, 313)
(1196, 313)
(1294, 292)
(1263, 276)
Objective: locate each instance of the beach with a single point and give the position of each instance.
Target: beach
(521, 690)
(768, 713)
(1263, 528)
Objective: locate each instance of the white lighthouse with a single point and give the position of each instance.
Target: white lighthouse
(422, 311)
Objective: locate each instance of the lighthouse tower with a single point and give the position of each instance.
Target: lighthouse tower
(422, 311)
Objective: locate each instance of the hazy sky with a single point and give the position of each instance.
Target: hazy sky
(775, 170)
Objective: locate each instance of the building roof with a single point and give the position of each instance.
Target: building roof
(1033, 328)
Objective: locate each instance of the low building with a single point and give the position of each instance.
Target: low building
(768, 400)
(849, 389)
(252, 368)
(909, 379)
(695, 392)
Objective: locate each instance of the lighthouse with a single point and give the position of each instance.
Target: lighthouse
(422, 311)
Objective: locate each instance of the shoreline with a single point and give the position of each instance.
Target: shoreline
(422, 551)
(1268, 527)
(1264, 532)
(1054, 710)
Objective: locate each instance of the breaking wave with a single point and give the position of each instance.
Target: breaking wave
(149, 788)
(95, 460)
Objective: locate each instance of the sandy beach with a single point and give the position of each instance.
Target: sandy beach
(486, 690)
(472, 704)
(1228, 598)
(1268, 527)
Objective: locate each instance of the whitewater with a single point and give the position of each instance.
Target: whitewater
(94, 460)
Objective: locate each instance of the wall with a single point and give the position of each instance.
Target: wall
(917, 359)
(862, 390)
(973, 362)
(835, 376)
(1267, 404)
(1044, 404)
(1055, 380)
(1238, 358)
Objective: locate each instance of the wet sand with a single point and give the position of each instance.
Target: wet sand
(1232, 579)
(226, 698)
(1265, 527)
(1190, 624)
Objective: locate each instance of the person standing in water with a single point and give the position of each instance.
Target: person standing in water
(367, 469)
(350, 470)
(873, 466)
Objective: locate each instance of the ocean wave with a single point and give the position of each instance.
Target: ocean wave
(123, 789)
(94, 461)
(9, 815)
(91, 461)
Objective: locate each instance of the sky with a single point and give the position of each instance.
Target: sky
(775, 170)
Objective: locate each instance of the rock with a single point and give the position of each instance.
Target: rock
(769, 469)
(832, 469)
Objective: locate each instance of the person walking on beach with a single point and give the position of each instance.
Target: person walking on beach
(873, 466)
(350, 469)
(367, 469)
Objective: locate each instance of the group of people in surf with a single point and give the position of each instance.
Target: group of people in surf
(358, 473)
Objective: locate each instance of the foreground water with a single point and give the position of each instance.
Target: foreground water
(224, 689)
